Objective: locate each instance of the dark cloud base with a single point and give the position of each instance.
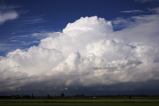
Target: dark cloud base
(148, 88)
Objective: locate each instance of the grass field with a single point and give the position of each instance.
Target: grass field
(79, 102)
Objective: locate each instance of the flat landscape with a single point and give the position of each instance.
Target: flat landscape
(79, 102)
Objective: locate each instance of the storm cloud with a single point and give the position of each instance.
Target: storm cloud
(87, 53)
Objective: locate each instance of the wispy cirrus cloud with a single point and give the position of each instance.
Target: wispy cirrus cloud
(146, 1)
(154, 10)
(132, 11)
(8, 13)
(9, 7)
(33, 20)
(7, 16)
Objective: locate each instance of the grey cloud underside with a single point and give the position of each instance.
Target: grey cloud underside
(87, 53)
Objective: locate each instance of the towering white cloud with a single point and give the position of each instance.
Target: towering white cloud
(87, 52)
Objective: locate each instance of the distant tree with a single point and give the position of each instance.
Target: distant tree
(32, 95)
(62, 94)
(48, 96)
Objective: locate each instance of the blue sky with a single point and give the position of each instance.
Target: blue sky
(92, 47)
(36, 16)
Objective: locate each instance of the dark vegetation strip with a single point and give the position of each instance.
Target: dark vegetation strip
(80, 101)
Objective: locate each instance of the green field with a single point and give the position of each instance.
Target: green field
(79, 102)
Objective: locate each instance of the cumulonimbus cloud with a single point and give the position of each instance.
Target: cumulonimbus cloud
(87, 52)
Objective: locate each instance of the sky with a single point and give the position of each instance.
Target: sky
(82, 47)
